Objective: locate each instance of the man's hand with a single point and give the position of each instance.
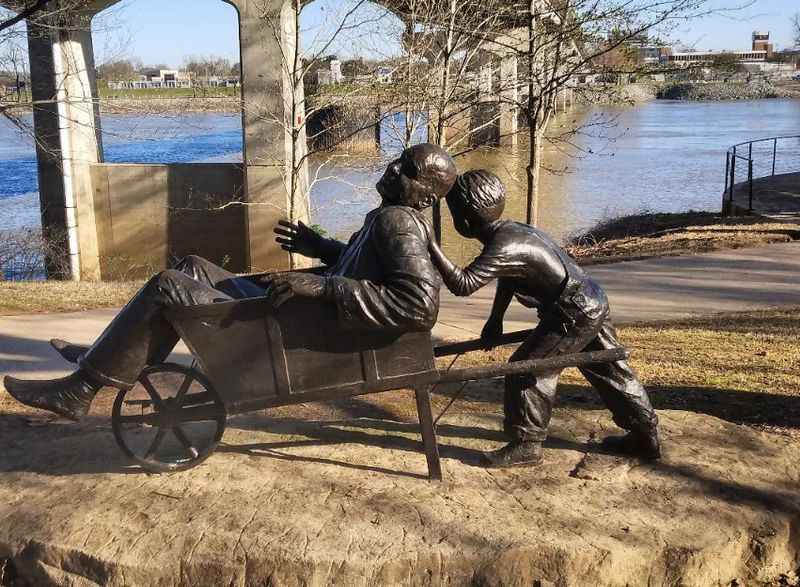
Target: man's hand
(281, 287)
(298, 238)
(492, 331)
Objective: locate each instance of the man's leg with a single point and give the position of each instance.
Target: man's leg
(136, 334)
(202, 271)
(625, 397)
(205, 271)
(529, 399)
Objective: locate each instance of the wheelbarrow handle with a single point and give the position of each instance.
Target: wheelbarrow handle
(467, 346)
(557, 362)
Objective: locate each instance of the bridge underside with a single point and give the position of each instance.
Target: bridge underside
(75, 185)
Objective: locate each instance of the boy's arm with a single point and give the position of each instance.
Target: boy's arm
(464, 282)
(493, 329)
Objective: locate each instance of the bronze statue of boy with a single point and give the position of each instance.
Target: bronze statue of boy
(573, 317)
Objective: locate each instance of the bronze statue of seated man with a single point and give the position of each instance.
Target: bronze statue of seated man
(382, 278)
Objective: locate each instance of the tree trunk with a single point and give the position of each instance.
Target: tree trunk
(533, 171)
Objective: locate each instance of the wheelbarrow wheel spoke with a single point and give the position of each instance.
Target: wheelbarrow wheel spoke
(157, 440)
(187, 382)
(151, 391)
(184, 440)
(161, 406)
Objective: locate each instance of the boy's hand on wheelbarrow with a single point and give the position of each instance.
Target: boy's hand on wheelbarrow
(281, 287)
(491, 333)
(297, 238)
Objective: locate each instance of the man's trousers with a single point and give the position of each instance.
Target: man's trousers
(140, 335)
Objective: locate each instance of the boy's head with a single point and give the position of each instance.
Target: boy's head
(476, 199)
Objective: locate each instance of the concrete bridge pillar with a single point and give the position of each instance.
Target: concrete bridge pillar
(273, 118)
(67, 127)
(66, 123)
(508, 101)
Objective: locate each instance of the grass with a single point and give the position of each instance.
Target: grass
(28, 297)
(161, 93)
(741, 367)
(659, 234)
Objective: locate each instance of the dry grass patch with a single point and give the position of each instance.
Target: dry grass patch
(26, 297)
(655, 235)
(742, 367)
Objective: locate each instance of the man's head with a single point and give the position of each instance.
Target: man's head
(477, 199)
(420, 176)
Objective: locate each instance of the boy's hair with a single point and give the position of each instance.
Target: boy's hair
(479, 190)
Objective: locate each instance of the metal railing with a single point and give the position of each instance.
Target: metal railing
(760, 158)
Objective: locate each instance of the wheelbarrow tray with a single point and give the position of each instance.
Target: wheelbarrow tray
(257, 356)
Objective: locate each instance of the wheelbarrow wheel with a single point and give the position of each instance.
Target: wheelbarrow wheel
(171, 420)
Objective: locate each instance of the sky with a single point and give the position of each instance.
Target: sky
(159, 31)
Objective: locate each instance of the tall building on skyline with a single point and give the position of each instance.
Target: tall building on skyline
(761, 43)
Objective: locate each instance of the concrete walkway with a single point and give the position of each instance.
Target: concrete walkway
(656, 289)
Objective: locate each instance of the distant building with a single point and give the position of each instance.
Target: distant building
(706, 57)
(155, 79)
(332, 75)
(761, 43)
(336, 72)
(653, 55)
(383, 74)
(221, 82)
(761, 50)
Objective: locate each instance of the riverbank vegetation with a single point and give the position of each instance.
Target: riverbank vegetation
(648, 234)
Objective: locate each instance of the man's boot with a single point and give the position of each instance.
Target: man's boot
(644, 445)
(68, 396)
(68, 351)
(517, 453)
(137, 333)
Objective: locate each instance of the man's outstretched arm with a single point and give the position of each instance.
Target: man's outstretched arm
(299, 238)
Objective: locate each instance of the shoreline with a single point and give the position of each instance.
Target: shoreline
(727, 91)
(631, 94)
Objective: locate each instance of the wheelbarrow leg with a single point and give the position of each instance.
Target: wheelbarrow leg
(423, 397)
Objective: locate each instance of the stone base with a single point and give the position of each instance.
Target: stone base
(289, 502)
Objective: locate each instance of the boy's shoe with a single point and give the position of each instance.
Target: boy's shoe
(636, 444)
(514, 454)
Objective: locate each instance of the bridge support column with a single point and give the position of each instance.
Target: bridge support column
(276, 171)
(66, 123)
(508, 101)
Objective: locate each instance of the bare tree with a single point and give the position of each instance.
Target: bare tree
(796, 29)
(561, 40)
(344, 21)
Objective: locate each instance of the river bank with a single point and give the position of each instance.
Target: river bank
(718, 91)
(648, 235)
(156, 106)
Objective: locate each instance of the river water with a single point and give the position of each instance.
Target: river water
(659, 156)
